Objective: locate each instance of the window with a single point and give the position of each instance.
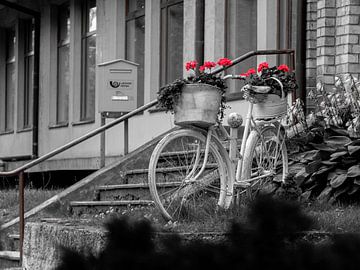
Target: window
(241, 31)
(63, 53)
(87, 102)
(7, 124)
(171, 47)
(135, 40)
(27, 98)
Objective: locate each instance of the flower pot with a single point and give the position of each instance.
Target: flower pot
(272, 106)
(198, 105)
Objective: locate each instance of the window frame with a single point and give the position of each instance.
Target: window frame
(62, 44)
(85, 35)
(27, 97)
(132, 16)
(9, 61)
(164, 47)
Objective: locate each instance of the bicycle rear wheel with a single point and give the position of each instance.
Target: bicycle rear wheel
(175, 161)
(265, 159)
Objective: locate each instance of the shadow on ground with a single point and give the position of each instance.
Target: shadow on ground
(269, 240)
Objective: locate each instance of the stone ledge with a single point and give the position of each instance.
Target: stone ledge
(42, 240)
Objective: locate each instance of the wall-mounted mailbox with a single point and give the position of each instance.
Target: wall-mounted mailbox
(118, 86)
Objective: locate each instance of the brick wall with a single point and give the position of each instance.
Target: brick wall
(333, 40)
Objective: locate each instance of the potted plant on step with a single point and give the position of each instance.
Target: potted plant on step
(198, 99)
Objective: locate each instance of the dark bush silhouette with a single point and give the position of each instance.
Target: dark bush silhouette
(270, 240)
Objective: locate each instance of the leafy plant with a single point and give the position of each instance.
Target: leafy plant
(329, 150)
(263, 78)
(168, 95)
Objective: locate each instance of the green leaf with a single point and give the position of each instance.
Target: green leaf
(336, 155)
(312, 155)
(355, 142)
(325, 194)
(353, 190)
(338, 180)
(306, 195)
(349, 161)
(341, 190)
(354, 171)
(337, 141)
(339, 131)
(323, 147)
(353, 149)
(322, 170)
(357, 181)
(329, 163)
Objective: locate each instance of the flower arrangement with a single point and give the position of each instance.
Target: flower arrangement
(262, 78)
(168, 95)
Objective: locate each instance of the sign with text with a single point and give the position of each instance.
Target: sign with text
(117, 86)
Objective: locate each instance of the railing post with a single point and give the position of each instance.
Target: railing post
(102, 142)
(21, 213)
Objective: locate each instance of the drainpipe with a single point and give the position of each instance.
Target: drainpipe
(300, 56)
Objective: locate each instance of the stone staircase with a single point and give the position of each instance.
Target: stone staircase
(117, 187)
(10, 259)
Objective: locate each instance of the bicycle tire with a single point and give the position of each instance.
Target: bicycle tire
(261, 157)
(174, 195)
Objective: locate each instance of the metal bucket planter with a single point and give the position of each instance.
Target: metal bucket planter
(271, 107)
(198, 105)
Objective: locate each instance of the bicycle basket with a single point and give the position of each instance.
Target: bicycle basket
(272, 106)
(198, 105)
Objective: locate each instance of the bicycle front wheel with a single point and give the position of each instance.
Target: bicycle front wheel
(176, 161)
(265, 158)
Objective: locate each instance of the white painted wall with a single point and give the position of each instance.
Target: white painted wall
(111, 45)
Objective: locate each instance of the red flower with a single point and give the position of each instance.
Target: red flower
(190, 65)
(283, 67)
(202, 68)
(209, 64)
(224, 62)
(262, 66)
(250, 71)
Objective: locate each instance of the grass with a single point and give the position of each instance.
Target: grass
(329, 218)
(9, 201)
(335, 218)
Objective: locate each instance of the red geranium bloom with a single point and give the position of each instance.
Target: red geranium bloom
(224, 62)
(191, 65)
(250, 71)
(262, 66)
(284, 68)
(209, 64)
(201, 68)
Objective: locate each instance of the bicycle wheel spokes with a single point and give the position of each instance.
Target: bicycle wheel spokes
(265, 159)
(173, 165)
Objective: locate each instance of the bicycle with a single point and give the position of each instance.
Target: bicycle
(191, 165)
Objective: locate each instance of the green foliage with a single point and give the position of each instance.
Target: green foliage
(169, 95)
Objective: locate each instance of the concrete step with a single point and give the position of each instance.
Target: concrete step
(14, 240)
(79, 208)
(9, 259)
(175, 173)
(128, 191)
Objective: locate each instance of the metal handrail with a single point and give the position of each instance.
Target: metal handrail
(78, 140)
(20, 170)
(130, 114)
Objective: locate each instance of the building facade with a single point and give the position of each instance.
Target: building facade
(76, 36)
